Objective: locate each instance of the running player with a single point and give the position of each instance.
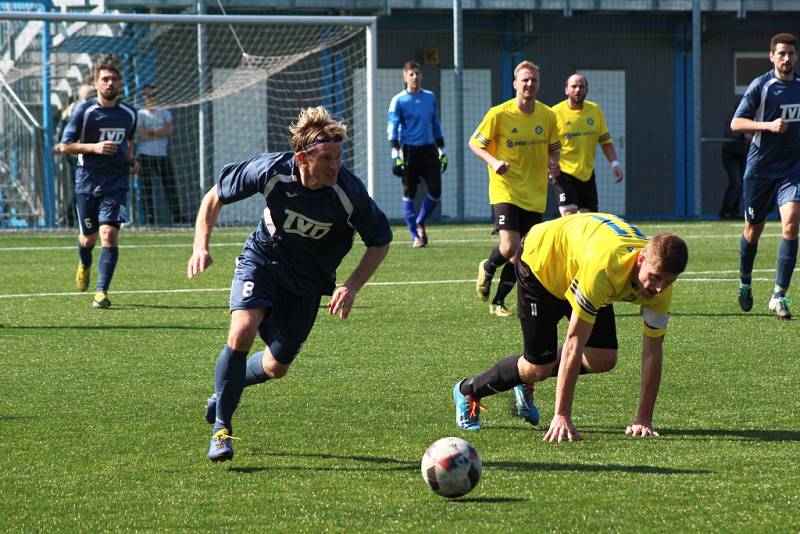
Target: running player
(417, 142)
(581, 127)
(770, 110)
(577, 267)
(314, 206)
(518, 141)
(101, 131)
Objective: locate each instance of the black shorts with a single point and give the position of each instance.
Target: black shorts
(540, 311)
(511, 217)
(573, 193)
(422, 162)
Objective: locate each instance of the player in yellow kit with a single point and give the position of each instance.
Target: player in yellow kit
(581, 127)
(576, 267)
(518, 141)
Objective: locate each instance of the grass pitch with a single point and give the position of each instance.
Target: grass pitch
(102, 410)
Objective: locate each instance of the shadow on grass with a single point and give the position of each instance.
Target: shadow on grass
(369, 463)
(379, 463)
(594, 468)
(107, 327)
(734, 435)
(488, 500)
(174, 307)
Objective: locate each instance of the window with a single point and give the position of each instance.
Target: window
(747, 66)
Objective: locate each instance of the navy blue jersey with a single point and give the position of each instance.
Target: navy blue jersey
(773, 155)
(93, 123)
(304, 233)
(413, 119)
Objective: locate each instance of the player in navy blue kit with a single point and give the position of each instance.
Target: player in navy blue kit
(100, 131)
(314, 208)
(770, 110)
(417, 142)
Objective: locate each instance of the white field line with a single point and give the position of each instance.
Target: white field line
(397, 242)
(682, 280)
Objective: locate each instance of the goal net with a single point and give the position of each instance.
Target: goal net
(232, 100)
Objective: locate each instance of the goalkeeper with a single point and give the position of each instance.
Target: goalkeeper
(417, 142)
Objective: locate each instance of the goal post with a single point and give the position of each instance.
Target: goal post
(232, 84)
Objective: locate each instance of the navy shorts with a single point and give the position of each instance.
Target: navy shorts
(289, 318)
(573, 193)
(109, 208)
(539, 313)
(512, 217)
(761, 194)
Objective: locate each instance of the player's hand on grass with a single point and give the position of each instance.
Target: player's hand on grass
(342, 302)
(640, 429)
(106, 148)
(199, 262)
(561, 429)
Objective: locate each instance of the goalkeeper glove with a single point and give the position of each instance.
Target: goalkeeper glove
(443, 159)
(398, 165)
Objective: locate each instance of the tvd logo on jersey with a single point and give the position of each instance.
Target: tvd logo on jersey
(112, 134)
(790, 112)
(297, 223)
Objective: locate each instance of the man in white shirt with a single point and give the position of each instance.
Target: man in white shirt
(155, 128)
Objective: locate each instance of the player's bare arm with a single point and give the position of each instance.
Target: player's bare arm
(103, 148)
(743, 124)
(345, 295)
(553, 158)
(561, 427)
(611, 155)
(207, 216)
(652, 359)
(499, 166)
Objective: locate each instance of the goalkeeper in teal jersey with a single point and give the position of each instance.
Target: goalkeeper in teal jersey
(417, 142)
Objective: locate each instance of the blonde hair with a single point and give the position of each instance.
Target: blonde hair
(525, 65)
(315, 125)
(669, 252)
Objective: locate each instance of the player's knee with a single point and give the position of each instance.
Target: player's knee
(790, 229)
(599, 360)
(508, 248)
(241, 335)
(532, 372)
(274, 368)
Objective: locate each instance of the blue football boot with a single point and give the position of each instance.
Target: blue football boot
(526, 408)
(467, 410)
(221, 448)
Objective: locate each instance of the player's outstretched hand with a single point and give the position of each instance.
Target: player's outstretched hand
(341, 302)
(199, 262)
(561, 429)
(642, 430)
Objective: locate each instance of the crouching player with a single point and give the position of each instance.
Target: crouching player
(576, 267)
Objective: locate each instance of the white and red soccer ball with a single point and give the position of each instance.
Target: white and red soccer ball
(451, 467)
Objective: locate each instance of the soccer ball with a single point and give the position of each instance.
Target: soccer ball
(451, 467)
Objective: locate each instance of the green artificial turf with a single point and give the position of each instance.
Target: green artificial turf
(102, 410)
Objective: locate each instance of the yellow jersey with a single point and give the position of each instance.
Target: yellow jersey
(580, 131)
(588, 259)
(523, 141)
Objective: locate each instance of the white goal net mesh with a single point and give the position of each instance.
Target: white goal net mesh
(253, 81)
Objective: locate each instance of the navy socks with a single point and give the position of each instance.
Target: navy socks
(229, 381)
(105, 267)
(747, 256)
